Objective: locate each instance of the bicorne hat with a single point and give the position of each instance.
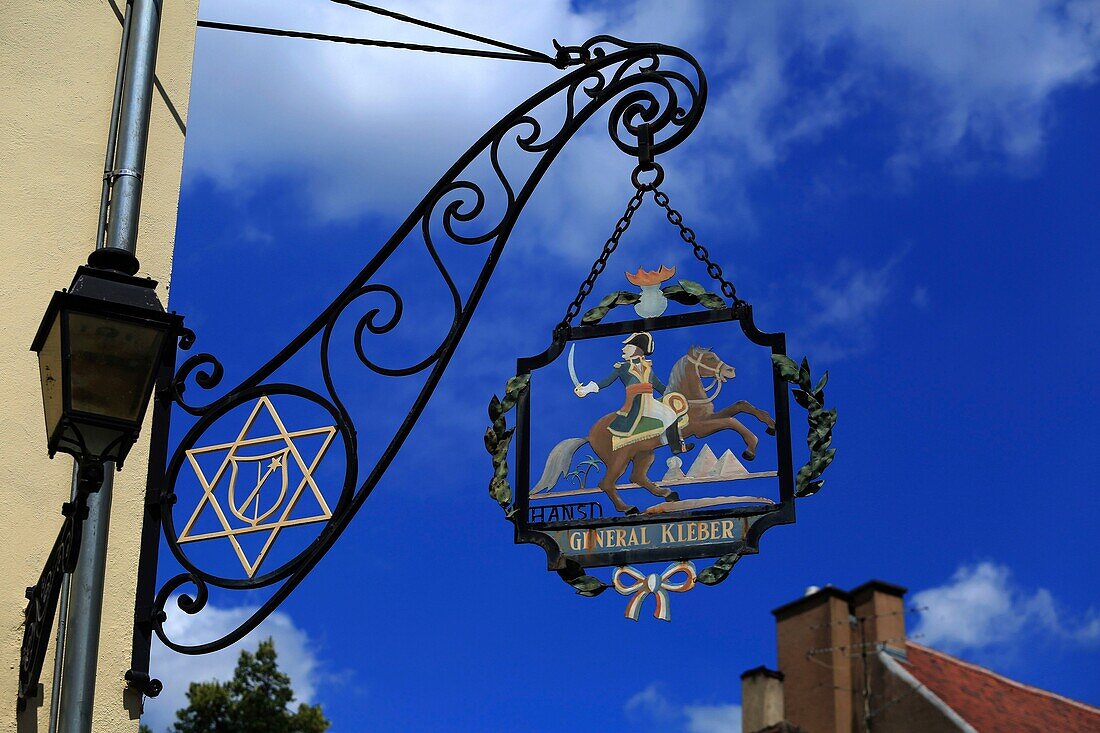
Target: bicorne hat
(642, 340)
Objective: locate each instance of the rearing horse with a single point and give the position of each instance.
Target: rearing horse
(702, 420)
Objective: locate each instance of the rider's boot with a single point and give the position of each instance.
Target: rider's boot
(672, 435)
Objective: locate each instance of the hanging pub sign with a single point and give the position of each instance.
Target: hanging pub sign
(663, 437)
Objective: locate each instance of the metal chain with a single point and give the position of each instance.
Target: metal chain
(688, 235)
(601, 262)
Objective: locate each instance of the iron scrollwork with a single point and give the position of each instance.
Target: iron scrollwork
(43, 596)
(657, 95)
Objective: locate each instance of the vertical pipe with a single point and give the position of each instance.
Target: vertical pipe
(62, 622)
(85, 613)
(112, 133)
(86, 604)
(133, 127)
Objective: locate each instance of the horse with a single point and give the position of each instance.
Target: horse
(702, 420)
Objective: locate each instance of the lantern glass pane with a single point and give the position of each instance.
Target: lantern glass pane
(112, 365)
(50, 370)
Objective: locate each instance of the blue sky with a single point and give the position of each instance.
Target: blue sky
(907, 189)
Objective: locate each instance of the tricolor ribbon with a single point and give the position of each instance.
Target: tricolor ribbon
(654, 585)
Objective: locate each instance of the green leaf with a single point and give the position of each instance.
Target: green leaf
(495, 410)
(517, 384)
(609, 301)
(501, 452)
(821, 385)
(692, 287)
(500, 490)
(802, 398)
(788, 370)
(804, 375)
(718, 572)
(588, 585)
(712, 301)
(595, 315)
(810, 489)
(676, 294)
(491, 440)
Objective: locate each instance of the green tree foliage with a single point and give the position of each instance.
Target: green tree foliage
(256, 700)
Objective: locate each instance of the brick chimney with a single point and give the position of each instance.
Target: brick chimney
(813, 636)
(761, 699)
(878, 610)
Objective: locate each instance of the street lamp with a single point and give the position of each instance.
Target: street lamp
(100, 346)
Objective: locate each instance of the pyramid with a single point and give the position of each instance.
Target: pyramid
(704, 465)
(729, 467)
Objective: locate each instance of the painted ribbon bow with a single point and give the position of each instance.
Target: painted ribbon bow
(652, 584)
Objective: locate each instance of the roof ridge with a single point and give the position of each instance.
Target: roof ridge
(1015, 683)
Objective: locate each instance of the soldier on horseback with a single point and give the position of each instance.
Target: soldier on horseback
(642, 415)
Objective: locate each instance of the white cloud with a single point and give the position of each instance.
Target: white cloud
(842, 307)
(713, 718)
(296, 657)
(652, 709)
(367, 131)
(981, 608)
(650, 704)
(982, 70)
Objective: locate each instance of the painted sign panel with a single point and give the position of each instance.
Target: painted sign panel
(580, 542)
(663, 449)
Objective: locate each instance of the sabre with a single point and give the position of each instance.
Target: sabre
(572, 369)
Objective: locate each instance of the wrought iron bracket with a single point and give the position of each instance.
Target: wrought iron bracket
(655, 95)
(43, 596)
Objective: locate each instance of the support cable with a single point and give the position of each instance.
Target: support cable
(507, 52)
(444, 29)
(371, 42)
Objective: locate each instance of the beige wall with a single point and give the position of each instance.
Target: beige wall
(57, 69)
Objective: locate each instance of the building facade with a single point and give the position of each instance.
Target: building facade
(846, 666)
(57, 75)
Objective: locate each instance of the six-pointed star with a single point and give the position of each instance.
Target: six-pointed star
(210, 485)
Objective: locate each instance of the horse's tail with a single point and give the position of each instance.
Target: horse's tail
(557, 463)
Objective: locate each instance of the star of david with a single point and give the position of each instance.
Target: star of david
(274, 462)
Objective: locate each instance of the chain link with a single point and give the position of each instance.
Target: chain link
(676, 219)
(688, 235)
(601, 262)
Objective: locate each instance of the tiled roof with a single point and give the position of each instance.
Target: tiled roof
(995, 704)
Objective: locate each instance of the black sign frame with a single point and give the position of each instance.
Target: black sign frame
(756, 520)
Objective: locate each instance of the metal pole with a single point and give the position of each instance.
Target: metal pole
(86, 602)
(85, 613)
(133, 127)
(62, 621)
(112, 134)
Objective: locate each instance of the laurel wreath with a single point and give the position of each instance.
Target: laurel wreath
(498, 439)
(808, 481)
(684, 292)
(821, 422)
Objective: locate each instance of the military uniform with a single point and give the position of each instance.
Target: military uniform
(642, 415)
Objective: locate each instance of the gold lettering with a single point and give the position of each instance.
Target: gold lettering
(714, 527)
(666, 534)
(727, 529)
(645, 535)
(691, 531)
(704, 531)
(597, 535)
(620, 537)
(576, 540)
(633, 536)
